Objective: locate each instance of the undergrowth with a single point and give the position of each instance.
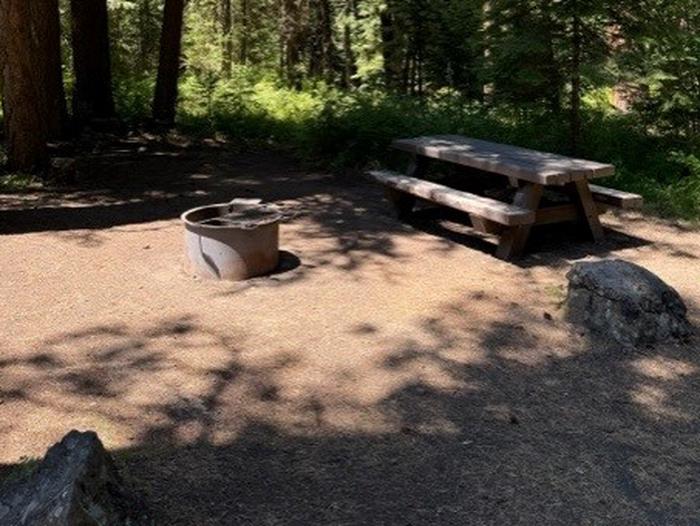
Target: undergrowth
(353, 130)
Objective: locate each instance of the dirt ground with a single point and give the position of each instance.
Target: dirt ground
(388, 374)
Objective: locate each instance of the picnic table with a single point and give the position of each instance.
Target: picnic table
(529, 172)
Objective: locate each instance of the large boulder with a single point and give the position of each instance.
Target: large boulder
(625, 302)
(76, 484)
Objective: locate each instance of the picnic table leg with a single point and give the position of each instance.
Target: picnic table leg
(588, 210)
(403, 202)
(418, 166)
(513, 239)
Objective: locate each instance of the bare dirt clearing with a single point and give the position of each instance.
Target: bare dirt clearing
(386, 375)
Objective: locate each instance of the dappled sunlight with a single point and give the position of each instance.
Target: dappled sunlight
(655, 401)
(664, 368)
(180, 380)
(380, 355)
(660, 376)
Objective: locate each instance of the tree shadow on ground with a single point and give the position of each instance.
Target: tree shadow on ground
(491, 414)
(549, 245)
(134, 182)
(519, 419)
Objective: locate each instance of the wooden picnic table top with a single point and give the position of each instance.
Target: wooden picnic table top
(512, 161)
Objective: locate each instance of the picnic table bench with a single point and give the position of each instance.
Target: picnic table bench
(528, 171)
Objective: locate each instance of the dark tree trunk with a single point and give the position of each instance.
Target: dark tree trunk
(348, 53)
(145, 36)
(92, 94)
(226, 30)
(322, 48)
(577, 43)
(31, 80)
(165, 99)
(47, 18)
(293, 41)
(395, 60)
(245, 26)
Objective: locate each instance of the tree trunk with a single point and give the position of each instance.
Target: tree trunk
(48, 22)
(145, 38)
(348, 54)
(577, 42)
(165, 99)
(245, 25)
(395, 57)
(322, 49)
(294, 40)
(226, 26)
(30, 79)
(92, 94)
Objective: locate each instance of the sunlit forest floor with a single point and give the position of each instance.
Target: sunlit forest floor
(387, 374)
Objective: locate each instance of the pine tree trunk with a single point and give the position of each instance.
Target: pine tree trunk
(144, 35)
(322, 49)
(293, 38)
(46, 16)
(31, 88)
(577, 42)
(395, 57)
(348, 54)
(226, 27)
(165, 99)
(245, 27)
(92, 94)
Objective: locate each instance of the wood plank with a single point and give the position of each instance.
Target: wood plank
(403, 203)
(418, 167)
(561, 214)
(617, 198)
(512, 161)
(484, 225)
(556, 214)
(485, 207)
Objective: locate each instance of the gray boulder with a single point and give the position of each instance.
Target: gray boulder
(625, 302)
(76, 484)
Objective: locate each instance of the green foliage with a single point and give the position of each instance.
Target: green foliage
(504, 70)
(661, 61)
(133, 97)
(16, 182)
(353, 130)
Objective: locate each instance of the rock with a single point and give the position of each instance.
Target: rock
(625, 302)
(75, 484)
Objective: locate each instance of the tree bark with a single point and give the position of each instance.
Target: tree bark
(92, 94)
(577, 44)
(47, 18)
(145, 36)
(165, 99)
(31, 80)
(294, 38)
(348, 54)
(322, 49)
(245, 26)
(226, 27)
(395, 60)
